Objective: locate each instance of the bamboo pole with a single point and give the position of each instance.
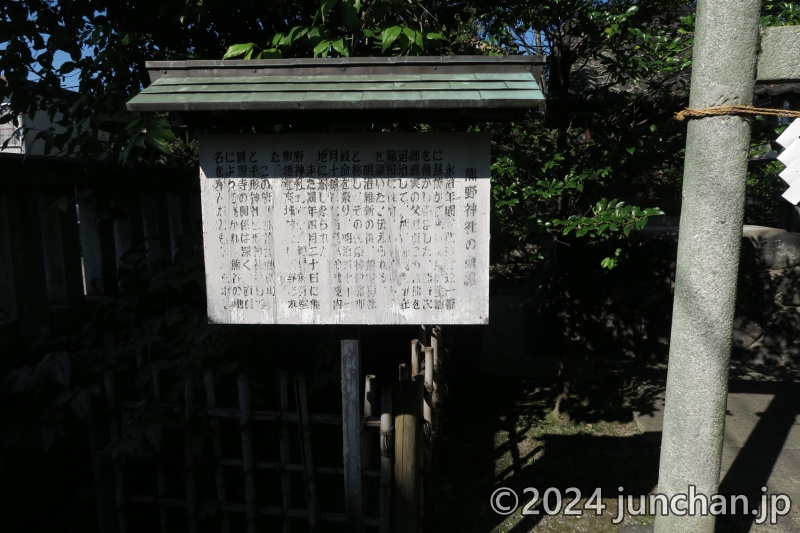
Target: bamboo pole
(286, 480)
(436, 333)
(216, 448)
(387, 441)
(415, 348)
(191, 481)
(407, 486)
(404, 372)
(429, 433)
(247, 454)
(370, 407)
(305, 447)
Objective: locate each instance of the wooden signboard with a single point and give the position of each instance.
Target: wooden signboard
(346, 229)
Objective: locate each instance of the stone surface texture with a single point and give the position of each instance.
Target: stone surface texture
(723, 73)
(767, 325)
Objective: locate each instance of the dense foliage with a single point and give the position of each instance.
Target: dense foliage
(593, 168)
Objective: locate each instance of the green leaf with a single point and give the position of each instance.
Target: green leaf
(349, 10)
(272, 53)
(82, 402)
(238, 50)
(47, 434)
(67, 67)
(340, 47)
(61, 367)
(20, 379)
(389, 36)
(325, 6)
(322, 47)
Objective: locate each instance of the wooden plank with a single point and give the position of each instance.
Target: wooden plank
(188, 449)
(286, 480)
(216, 448)
(503, 98)
(779, 58)
(247, 454)
(313, 67)
(27, 260)
(387, 451)
(8, 298)
(351, 432)
(161, 478)
(175, 219)
(309, 472)
(178, 85)
(315, 87)
(97, 244)
(61, 247)
(155, 219)
(114, 435)
(127, 224)
(320, 101)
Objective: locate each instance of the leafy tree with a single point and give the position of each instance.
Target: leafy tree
(107, 45)
(352, 27)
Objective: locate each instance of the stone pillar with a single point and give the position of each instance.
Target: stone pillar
(723, 73)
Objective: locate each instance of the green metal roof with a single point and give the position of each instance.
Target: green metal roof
(443, 85)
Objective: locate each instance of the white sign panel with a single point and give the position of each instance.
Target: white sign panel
(346, 229)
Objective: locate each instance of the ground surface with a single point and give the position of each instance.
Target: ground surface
(501, 434)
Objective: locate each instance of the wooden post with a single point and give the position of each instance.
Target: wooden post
(175, 218)
(216, 448)
(408, 435)
(304, 422)
(27, 261)
(113, 427)
(100, 477)
(286, 480)
(191, 487)
(723, 73)
(351, 431)
(247, 454)
(161, 478)
(156, 233)
(387, 450)
(128, 228)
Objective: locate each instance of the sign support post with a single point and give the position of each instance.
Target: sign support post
(351, 419)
